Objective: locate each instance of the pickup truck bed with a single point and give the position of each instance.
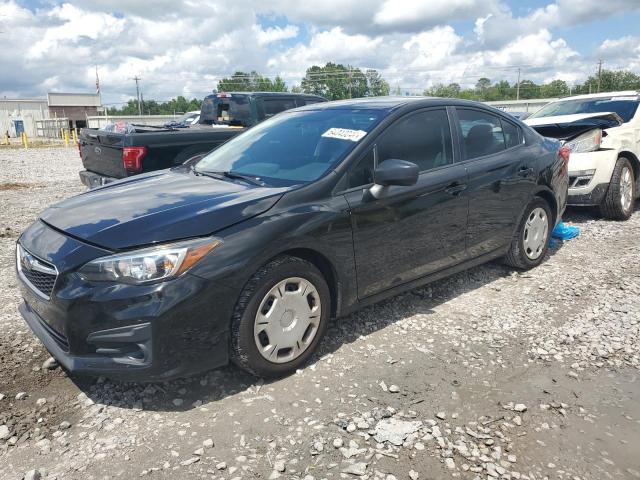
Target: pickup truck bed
(109, 156)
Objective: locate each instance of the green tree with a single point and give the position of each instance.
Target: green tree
(376, 85)
(610, 81)
(251, 82)
(336, 81)
(529, 90)
(482, 85)
(441, 90)
(553, 89)
(175, 106)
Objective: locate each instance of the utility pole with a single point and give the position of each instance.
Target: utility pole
(137, 79)
(518, 86)
(599, 73)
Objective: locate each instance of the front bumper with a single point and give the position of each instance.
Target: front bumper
(589, 176)
(122, 362)
(94, 180)
(130, 332)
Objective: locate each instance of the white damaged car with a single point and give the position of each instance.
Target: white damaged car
(602, 131)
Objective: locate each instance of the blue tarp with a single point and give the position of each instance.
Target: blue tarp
(563, 232)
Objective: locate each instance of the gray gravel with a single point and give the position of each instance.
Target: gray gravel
(488, 374)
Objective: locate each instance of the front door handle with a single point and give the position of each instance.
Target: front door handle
(455, 188)
(525, 171)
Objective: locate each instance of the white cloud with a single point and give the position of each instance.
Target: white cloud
(422, 14)
(328, 46)
(496, 28)
(186, 47)
(274, 34)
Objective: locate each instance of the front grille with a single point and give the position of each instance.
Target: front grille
(43, 282)
(39, 275)
(57, 336)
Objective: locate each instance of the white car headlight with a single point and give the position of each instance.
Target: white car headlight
(148, 265)
(587, 142)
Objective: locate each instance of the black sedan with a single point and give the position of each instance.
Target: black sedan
(312, 214)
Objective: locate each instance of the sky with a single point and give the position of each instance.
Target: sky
(185, 47)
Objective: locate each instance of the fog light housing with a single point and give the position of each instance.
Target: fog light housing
(581, 178)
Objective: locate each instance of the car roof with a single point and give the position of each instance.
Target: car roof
(267, 94)
(394, 102)
(623, 93)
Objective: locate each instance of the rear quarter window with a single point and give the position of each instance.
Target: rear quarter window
(512, 135)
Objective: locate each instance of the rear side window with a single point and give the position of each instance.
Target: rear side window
(423, 138)
(481, 132)
(511, 134)
(273, 106)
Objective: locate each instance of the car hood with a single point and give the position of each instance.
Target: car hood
(566, 127)
(159, 207)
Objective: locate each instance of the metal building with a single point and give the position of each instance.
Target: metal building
(19, 115)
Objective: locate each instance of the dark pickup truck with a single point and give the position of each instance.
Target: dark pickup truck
(109, 156)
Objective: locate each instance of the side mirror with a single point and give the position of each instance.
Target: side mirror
(396, 172)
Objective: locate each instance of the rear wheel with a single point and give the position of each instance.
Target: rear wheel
(621, 194)
(280, 318)
(531, 239)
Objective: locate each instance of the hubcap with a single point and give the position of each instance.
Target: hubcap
(287, 320)
(626, 189)
(535, 234)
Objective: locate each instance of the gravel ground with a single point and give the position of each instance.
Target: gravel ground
(488, 374)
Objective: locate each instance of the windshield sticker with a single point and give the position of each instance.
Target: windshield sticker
(344, 134)
(623, 99)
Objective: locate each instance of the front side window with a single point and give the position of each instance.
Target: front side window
(362, 173)
(294, 147)
(423, 138)
(481, 133)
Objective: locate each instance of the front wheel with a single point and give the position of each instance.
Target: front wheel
(531, 239)
(621, 194)
(280, 318)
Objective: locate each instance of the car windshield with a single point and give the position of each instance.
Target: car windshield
(624, 106)
(293, 147)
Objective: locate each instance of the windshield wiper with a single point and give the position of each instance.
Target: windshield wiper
(252, 179)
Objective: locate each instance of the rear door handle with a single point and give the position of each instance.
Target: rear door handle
(455, 188)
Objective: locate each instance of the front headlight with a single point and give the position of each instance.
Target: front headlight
(148, 265)
(587, 142)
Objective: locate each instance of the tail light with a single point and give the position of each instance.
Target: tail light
(564, 153)
(132, 158)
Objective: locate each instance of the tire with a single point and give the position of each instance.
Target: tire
(619, 200)
(520, 255)
(257, 293)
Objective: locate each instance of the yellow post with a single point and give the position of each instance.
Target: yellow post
(61, 132)
(66, 138)
(25, 140)
(75, 135)
(6, 139)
